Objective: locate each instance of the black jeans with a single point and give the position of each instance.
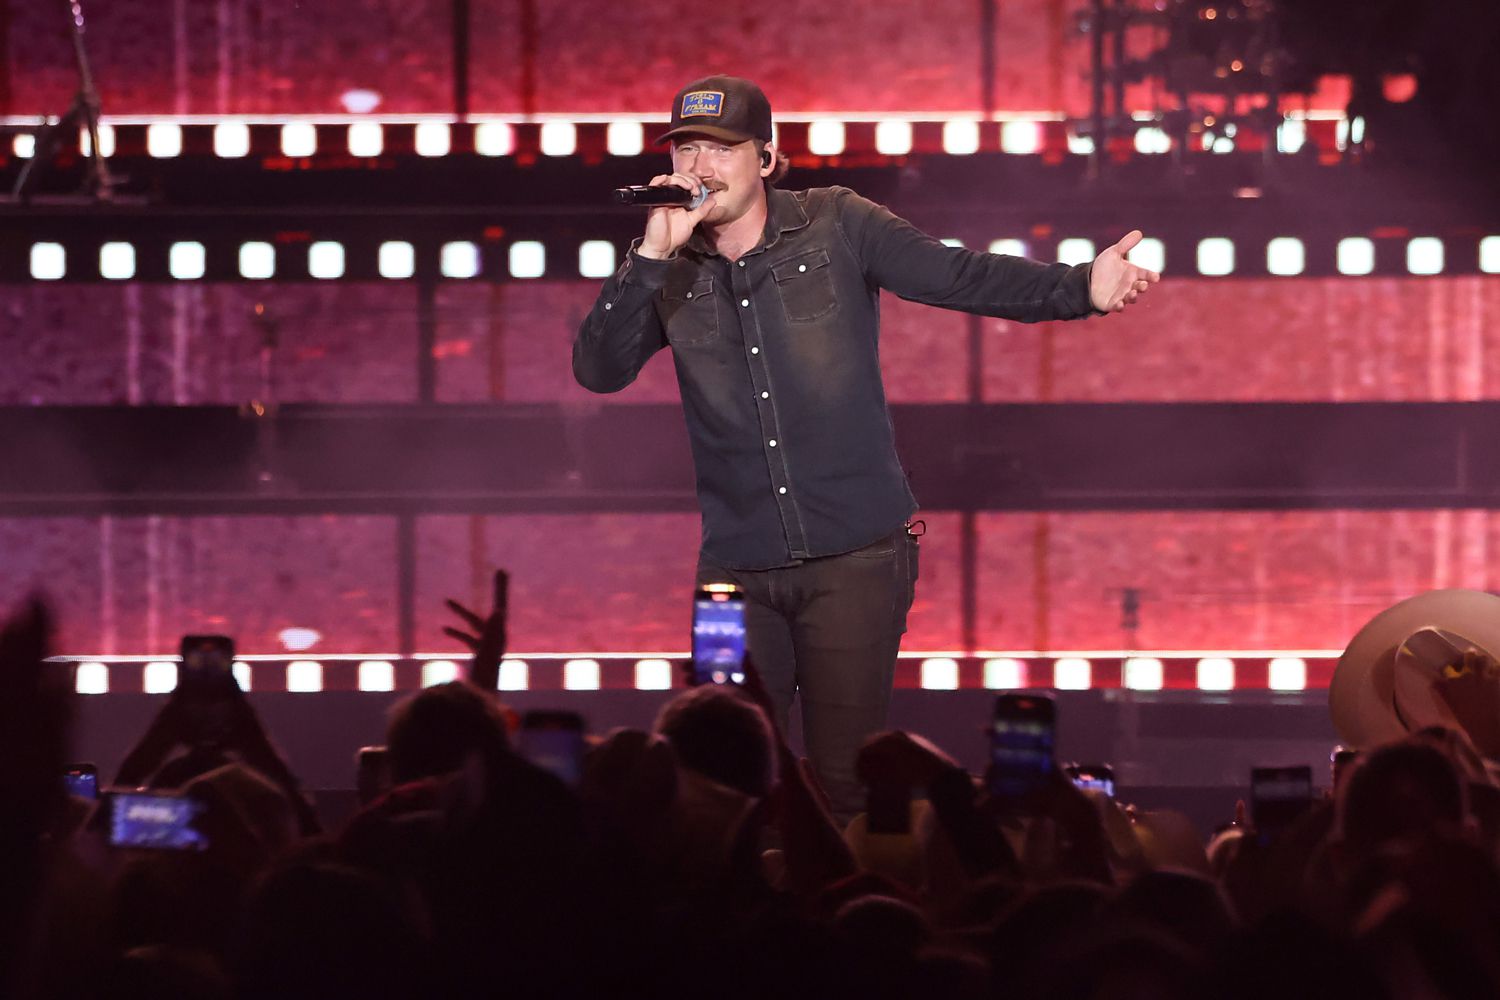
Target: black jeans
(829, 630)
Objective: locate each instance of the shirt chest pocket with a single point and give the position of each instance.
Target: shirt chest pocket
(805, 283)
(689, 312)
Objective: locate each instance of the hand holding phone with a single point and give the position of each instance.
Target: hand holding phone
(1022, 737)
(82, 780)
(1279, 796)
(1092, 777)
(154, 821)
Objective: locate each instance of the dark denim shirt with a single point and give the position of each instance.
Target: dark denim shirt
(777, 358)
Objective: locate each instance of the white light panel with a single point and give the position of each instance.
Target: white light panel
(436, 672)
(1004, 674)
(1216, 256)
(961, 137)
(1080, 145)
(377, 675)
(940, 674)
(164, 139)
(433, 139)
(325, 260)
(1287, 674)
(1355, 255)
(187, 261)
(893, 138)
(1291, 134)
(1072, 673)
(304, 676)
(117, 261)
(528, 259)
(1424, 255)
(1215, 673)
(397, 259)
(596, 259)
(91, 678)
(459, 260)
(24, 146)
(160, 677)
(106, 141)
(515, 675)
(366, 139)
(625, 138)
(559, 139)
(1075, 251)
(1143, 673)
(1011, 248)
(581, 675)
(653, 675)
(494, 139)
(1286, 256)
(1152, 141)
(951, 241)
(1149, 253)
(49, 261)
(299, 139)
(825, 137)
(1021, 138)
(241, 673)
(231, 139)
(1489, 255)
(257, 261)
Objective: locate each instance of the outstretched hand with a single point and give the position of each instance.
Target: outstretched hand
(1114, 282)
(487, 638)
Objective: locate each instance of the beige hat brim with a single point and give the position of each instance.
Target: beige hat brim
(1362, 695)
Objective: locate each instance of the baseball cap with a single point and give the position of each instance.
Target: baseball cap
(721, 107)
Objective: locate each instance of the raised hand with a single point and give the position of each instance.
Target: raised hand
(1114, 282)
(486, 637)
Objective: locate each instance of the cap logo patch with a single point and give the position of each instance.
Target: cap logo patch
(703, 104)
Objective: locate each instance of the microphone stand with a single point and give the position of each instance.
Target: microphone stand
(83, 112)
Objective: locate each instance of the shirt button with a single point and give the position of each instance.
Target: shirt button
(755, 350)
(742, 263)
(608, 306)
(745, 302)
(689, 294)
(765, 395)
(781, 490)
(802, 267)
(773, 442)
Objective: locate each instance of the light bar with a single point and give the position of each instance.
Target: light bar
(825, 138)
(625, 139)
(163, 140)
(1005, 674)
(325, 260)
(1010, 248)
(1215, 673)
(1356, 255)
(397, 260)
(106, 142)
(91, 678)
(653, 675)
(1075, 251)
(460, 260)
(1150, 253)
(1424, 255)
(559, 138)
(1152, 141)
(366, 139)
(1215, 256)
(186, 261)
(1072, 674)
(581, 675)
(961, 137)
(1285, 256)
(515, 675)
(231, 139)
(49, 261)
(117, 261)
(528, 259)
(304, 675)
(435, 672)
(940, 674)
(1489, 255)
(494, 139)
(433, 139)
(1287, 674)
(893, 138)
(160, 677)
(240, 670)
(1143, 673)
(1021, 138)
(596, 259)
(377, 675)
(299, 139)
(257, 261)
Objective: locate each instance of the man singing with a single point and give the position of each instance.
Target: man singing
(769, 300)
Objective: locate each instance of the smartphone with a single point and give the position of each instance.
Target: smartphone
(154, 820)
(1278, 798)
(1022, 737)
(1340, 762)
(553, 741)
(82, 780)
(1092, 777)
(719, 634)
(372, 776)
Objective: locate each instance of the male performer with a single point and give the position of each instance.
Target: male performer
(769, 300)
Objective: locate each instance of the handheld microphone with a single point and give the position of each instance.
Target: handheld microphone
(665, 194)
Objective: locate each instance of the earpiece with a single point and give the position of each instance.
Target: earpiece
(765, 157)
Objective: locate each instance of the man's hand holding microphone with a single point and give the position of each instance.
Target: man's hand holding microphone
(668, 227)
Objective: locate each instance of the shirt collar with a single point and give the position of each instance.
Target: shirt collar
(784, 213)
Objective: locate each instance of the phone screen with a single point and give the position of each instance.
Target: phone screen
(1278, 797)
(82, 780)
(158, 822)
(553, 741)
(1093, 778)
(719, 634)
(1021, 746)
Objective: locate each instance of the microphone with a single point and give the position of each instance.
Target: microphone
(665, 194)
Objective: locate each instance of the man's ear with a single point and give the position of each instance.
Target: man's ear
(767, 160)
